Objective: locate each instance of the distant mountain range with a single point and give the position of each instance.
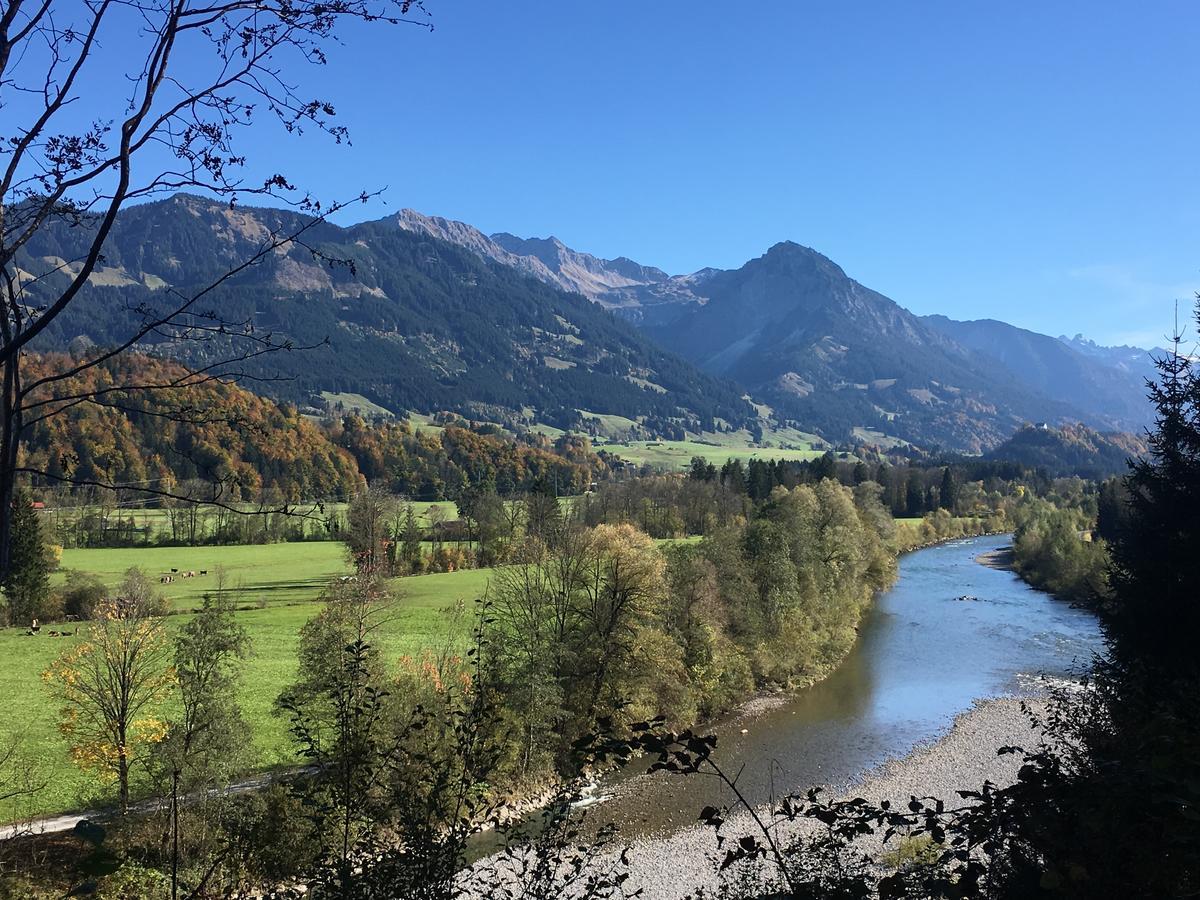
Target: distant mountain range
(838, 357)
(438, 315)
(416, 323)
(634, 291)
(1104, 386)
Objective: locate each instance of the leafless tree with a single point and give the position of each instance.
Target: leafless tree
(107, 103)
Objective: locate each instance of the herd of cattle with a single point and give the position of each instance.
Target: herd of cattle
(167, 579)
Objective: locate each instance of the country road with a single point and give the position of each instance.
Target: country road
(68, 821)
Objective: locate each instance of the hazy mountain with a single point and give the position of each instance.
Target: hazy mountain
(824, 349)
(1107, 385)
(416, 323)
(1134, 360)
(1070, 450)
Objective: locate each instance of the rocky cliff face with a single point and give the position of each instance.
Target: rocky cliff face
(631, 289)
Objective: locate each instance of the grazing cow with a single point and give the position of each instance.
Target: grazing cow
(174, 571)
(53, 634)
(204, 571)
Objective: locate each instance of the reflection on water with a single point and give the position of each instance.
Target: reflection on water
(922, 657)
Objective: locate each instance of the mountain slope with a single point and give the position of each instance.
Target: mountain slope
(1108, 394)
(1133, 360)
(838, 357)
(1070, 450)
(416, 322)
(824, 349)
(634, 291)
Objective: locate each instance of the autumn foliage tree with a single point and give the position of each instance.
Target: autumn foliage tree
(112, 684)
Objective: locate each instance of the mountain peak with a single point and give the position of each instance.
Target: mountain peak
(790, 250)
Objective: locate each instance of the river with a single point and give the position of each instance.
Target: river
(923, 656)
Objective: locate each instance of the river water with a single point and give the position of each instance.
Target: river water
(923, 656)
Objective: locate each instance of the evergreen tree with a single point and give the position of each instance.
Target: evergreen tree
(948, 495)
(1112, 512)
(914, 498)
(1155, 616)
(733, 476)
(824, 466)
(27, 584)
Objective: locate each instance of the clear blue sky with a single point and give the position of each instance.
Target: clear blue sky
(1034, 162)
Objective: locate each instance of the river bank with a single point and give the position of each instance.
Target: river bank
(1001, 559)
(672, 867)
(902, 715)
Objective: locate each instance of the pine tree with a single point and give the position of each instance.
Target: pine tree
(914, 497)
(1155, 615)
(948, 495)
(28, 581)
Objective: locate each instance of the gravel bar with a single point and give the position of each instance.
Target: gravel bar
(672, 867)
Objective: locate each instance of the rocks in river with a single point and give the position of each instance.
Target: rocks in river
(966, 597)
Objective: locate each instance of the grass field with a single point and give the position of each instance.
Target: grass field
(430, 611)
(675, 455)
(716, 448)
(357, 403)
(276, 573)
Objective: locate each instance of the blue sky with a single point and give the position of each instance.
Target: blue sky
(1033, 162)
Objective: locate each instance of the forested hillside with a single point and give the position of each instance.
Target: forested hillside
(407, 320)
(1070, 450)
(236, 443)
(214, 440)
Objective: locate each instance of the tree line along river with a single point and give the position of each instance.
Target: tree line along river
(949, 632)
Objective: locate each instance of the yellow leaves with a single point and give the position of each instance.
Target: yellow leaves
(110, 684)
(151, 730)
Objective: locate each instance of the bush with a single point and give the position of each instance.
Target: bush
(273, 835)
(133, 882)
(81, 594)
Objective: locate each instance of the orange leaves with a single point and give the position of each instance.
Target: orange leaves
(437, 673)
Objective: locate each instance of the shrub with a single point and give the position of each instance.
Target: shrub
(81, 594)
(133, 882)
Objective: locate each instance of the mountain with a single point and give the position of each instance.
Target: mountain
(413, 321)
(835, 356)
(843, 359)
(1106, 385)
(634, 291)
(1133, 360)
(1069, 450)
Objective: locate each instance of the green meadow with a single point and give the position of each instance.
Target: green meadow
(676, 455)
(430, 612)
(270, 573)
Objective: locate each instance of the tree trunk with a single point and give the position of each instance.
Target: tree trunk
(123, 781)
(175, 834)
(11, 425)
